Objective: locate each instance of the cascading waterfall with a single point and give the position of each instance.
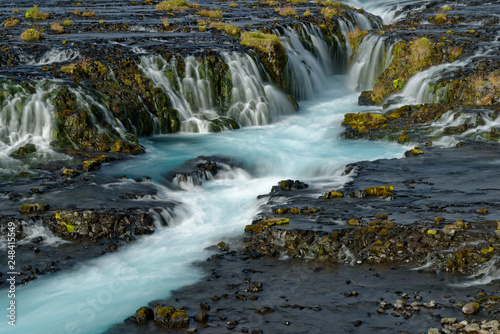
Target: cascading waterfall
(252, 101)
(55, 55)
(419, 89)
(86, 101)
(194, 110)
(26, 118)
(309, 62)
(373, 57)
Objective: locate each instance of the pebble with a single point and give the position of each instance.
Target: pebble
(472, 328)
(265, 310)
(201, 317)
(399, 304)
(470, 308)
(358, 323)
(205, 306)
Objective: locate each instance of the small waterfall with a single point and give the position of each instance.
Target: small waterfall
(191, 95)
(309, 60)
(418, 89)
(92, 104)
(55, 55)
(26, 120)
(373, 57)
(251, 100)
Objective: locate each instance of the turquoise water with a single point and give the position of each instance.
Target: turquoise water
(104, 291)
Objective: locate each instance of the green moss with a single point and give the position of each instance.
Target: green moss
(355, 37)
(31, 35)
(256, 229)
(233, 31)
(10, 22)
(260, 41)
(172, 5)
(164, 312)
(35, 14)
(180, 314)
(273, 221)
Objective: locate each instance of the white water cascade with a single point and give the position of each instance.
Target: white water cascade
(309, 63)
(26, 118)
(374, 55)
(253, 102)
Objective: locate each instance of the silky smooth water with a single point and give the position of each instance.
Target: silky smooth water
(104, 291)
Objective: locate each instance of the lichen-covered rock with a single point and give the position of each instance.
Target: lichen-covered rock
(470, 308)
(271, 53)
(142, 315)
(88, 224)
(34, 208)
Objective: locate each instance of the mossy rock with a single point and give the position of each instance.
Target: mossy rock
(383, 191)
(256, 229)
(273, 221)
(163, 314)
(333, 194)
(28, 208)
(271, 53)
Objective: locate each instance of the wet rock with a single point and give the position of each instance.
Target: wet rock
(163, 314)
(179, 319)
(223, 246)
(472, 328)
(142, 315)
(265, 310)
(470, 308)
(289, 185)
(201, 317)
(255, 286)
(201, 168)
(34, 208)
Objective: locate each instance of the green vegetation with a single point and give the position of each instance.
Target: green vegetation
(329, 13)
(165, 22)
(36, 14)
(215, 14)
(173, 5)
(89, 13)
(440, 18)
(287, 11)
(202, 28)
(355, 37)
(233, 5)
(307, 12)
(10, 22)
(57, 27)
(67, 23)
(233, 31)
(260, 41)
(31, 35)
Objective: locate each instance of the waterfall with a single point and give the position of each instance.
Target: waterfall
(26, 120)
(91, 104)
(252, 101)
(56, 55)
(373, 57)
(310, 60)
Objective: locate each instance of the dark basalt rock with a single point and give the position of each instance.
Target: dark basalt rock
(201, 169)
